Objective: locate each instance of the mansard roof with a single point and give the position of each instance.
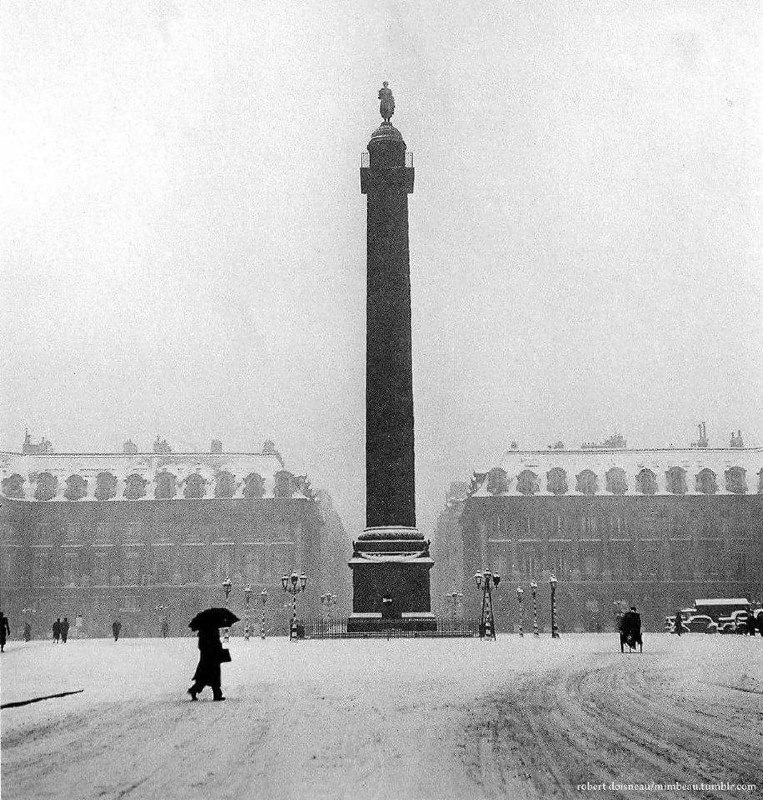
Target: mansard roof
(631, 461)
(181, 466)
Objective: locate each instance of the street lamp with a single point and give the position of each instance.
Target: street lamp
(534, 590)
(486, 580)
(226, 588)
(454, 596)
(554, 630)
(294, 584)
(520, 596)
(247, 622)
(264, 598)
(328, 600)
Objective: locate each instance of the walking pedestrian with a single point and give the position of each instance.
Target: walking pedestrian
(165, 628)
(27, 631)
(64, 630)
(211, 655)
(5, 631)
(678, 624)
(57, 630)
(116, 626)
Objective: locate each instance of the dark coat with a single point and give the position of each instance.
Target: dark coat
(210, 656)
(5, 628)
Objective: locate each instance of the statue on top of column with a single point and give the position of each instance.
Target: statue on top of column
(387, 104)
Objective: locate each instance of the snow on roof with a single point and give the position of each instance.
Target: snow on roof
(146, 465)
(659, 461)
(722, 601)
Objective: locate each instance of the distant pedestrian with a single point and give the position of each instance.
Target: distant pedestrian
(116, 626)
(165, 628)
(64, 630)
(678, 624)
(630, 630)
(5, 631)
(27, 631)
(57, 630)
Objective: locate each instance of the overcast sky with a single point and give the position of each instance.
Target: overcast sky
(183, 234)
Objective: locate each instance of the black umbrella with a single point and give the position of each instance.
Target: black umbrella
(213, 618)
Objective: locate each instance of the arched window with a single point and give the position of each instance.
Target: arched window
(736, 480)
(76, 487)
(527, 482)
(105, 486)
(284, 484)
(706, 481)
(675, 480)
(194, 486)
(165, 486)
(13, 486)
(254, 486)
(617, 482)
(497, 482)
(225, 484)
(135, 487)
(587, 482)
(646, 482)
(556, 481)
(46, 486)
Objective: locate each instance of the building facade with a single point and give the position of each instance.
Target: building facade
(144, 537)
(652, 528)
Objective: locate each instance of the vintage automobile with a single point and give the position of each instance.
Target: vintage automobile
(700, 623)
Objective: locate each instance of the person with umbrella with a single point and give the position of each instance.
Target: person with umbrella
(211, 651)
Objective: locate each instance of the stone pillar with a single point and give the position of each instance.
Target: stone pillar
(391, 560)
(390, 498)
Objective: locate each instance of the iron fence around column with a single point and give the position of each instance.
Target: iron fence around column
(388, 629)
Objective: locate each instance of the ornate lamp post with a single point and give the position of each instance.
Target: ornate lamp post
(294, 585)
(264, 598)
(328, 600)
(247, 622)
(226, 588)
(486, 580)
(534, 590)
(520, 597)
(554, 630)
(454, 596)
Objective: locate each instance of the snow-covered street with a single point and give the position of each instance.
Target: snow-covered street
(404, 718)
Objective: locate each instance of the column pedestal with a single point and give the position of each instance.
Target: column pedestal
(390, 577)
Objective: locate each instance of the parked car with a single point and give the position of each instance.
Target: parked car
(699, 623)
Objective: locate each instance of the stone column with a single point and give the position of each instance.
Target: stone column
(390, 499)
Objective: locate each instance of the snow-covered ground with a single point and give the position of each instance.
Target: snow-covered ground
(404, 718)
